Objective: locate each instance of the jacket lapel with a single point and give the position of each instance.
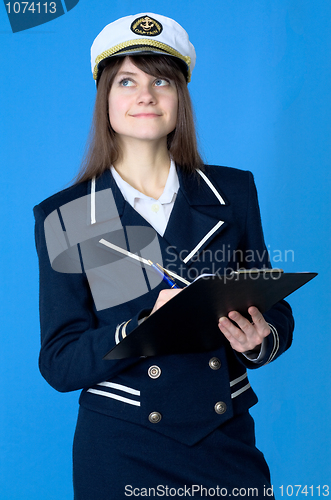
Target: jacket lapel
(123, 210)
(196, 218)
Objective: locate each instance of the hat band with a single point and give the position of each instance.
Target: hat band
(145, 42)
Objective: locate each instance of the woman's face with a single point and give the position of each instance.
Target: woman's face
(142, 106)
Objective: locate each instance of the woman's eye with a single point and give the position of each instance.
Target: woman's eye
(126, 83)
(160, 82)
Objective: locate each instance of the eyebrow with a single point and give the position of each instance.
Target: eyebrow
(131, 73)
(126, 73)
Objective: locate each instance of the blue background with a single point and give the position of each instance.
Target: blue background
(261, 90)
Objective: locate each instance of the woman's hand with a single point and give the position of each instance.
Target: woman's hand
(246, 336)
(164, 296)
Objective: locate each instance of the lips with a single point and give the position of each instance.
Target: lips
(146, 115)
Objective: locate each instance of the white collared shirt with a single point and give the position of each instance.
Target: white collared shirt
(156, 212)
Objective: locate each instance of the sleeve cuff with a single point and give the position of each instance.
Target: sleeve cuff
(120, 332)
(256, 355)
(125, 328)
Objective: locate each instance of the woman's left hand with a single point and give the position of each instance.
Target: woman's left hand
(247, 335)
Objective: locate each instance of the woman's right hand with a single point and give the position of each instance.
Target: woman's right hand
(164, 296)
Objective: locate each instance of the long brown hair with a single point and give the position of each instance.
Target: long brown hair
(103, 147)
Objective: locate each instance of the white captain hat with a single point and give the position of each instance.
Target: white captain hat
(144, 33)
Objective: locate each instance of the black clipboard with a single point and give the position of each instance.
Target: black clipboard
(188, 322)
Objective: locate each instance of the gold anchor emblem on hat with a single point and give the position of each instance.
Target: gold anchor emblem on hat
(148, 25)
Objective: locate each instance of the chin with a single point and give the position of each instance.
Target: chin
(148, 135)
(145, 133)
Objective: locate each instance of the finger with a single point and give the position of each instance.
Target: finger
(235, 338)
(255, 331)
(260, 323)
(255, 314)
(241, 339)
(243, 323)
(168, 293)
(231, 331)
(164, 296)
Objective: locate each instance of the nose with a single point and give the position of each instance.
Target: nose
(146, 95)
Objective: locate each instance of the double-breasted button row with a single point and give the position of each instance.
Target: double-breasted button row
(154, 417)
(154, 371)
(220, 407)
(215, 363)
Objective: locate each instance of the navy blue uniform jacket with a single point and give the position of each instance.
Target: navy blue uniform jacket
(217, 213)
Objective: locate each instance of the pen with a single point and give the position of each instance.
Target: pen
(159, 269)
(165, 277)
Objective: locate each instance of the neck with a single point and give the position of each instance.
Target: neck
(144, 165)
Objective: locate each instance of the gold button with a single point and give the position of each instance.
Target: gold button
(154, 417)
(154, 371)
(155, 207)
(214, 363)
(220, 407)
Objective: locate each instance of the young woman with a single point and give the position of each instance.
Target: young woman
(169, 424)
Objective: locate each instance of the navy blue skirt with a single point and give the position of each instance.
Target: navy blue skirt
(115, 459)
